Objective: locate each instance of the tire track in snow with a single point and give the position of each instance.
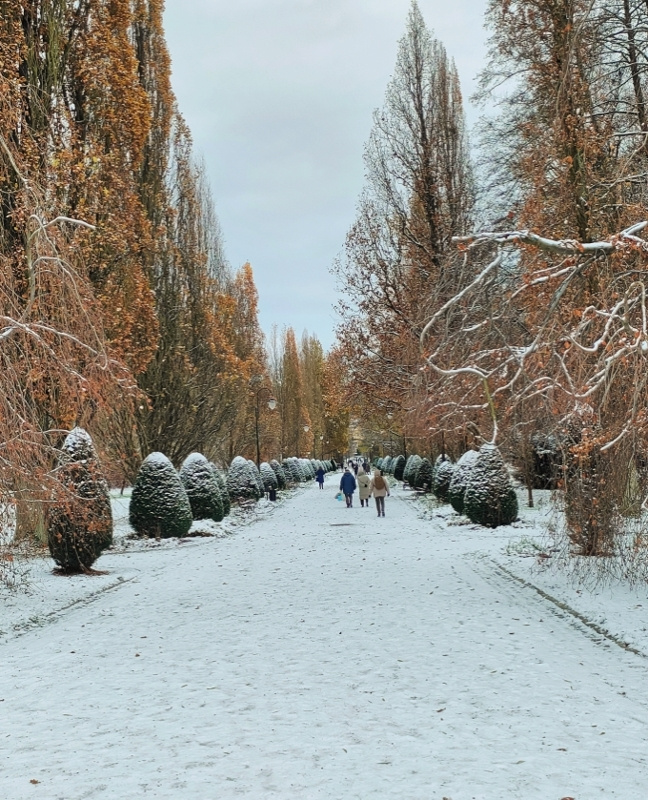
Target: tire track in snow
(560, 609)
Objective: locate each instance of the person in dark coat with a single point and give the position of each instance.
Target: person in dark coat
(320, 477)
(348, 486)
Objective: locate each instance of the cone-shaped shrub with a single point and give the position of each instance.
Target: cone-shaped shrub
(80, 524)
(222, 489)
(423, 477)
(443, 472)
(292, 469)
(268, 477)
(257, 477)
(334, 465)
(490, 498)
(279, 472)
(307, 469)
(202, 489)
(386, 465)
(459, 479)
(159, 504)
(411, 467)
(399, 467)
(242, 483)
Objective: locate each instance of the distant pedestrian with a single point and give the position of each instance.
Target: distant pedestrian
(320, 477)
(380, 490)
(355, 467)
(364, 482)
(348, 486)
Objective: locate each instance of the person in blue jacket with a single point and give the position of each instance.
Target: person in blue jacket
(320, 477)
(348, 486)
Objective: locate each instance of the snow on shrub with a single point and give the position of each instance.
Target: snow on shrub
(222, 488)
(268, 477)
(443, 472)
(291, 465)
(398, 467)
(386, 465)
(202, 488)
(423, 477)
(411, 466)
(159, 504)
(279, 472)
(490, 498)
(242, 483)
(459, 479)
(257, 476)
(80, 524)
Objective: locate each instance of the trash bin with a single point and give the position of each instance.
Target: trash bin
(272, 494)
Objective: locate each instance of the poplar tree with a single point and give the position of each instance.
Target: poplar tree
(398, 260)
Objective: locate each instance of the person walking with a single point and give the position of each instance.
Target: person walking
(320, 477)
(364, 482)
(348, 486)
(379, 489)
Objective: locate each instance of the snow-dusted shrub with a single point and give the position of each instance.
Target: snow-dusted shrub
(307, 468)
(268, 477)
(443, 472)
(202, 488)
(257, 476)
(411, 466)
(386, 466)
(292, 468)
(490, 498)
(80, 524)
(423, 476)
(222, 489)
(159, 505)
(398, 467)
(242, 483)
(459, 479)
(279, 472)
(334, 465)
(379, 463)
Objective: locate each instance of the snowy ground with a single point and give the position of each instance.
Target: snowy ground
(320, 652)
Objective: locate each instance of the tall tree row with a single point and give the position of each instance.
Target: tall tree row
(399, 261)
(525, 318)
(312, 415)
(118, 310)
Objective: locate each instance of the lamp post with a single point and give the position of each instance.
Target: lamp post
(272, 404)
(322, 447)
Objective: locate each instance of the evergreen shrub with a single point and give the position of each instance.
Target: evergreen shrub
(490, 498)
(242, 483)
(159, 505)
(443, 472)
(202, 488)
(279, 472)
(399, 467)
(459, 478)
(80, 525)
(268, 477)
(423, 477)
(221, 481)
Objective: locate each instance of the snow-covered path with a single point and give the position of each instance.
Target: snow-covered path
(321, 653)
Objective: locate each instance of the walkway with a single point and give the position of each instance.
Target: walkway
(323, 653)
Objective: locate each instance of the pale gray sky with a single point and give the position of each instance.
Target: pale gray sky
(279, 96)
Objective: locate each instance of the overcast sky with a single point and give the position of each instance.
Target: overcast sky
(279, 96)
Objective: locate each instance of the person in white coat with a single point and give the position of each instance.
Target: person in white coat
(379, 489)
(364, 482)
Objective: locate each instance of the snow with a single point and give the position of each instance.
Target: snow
(314, 651)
